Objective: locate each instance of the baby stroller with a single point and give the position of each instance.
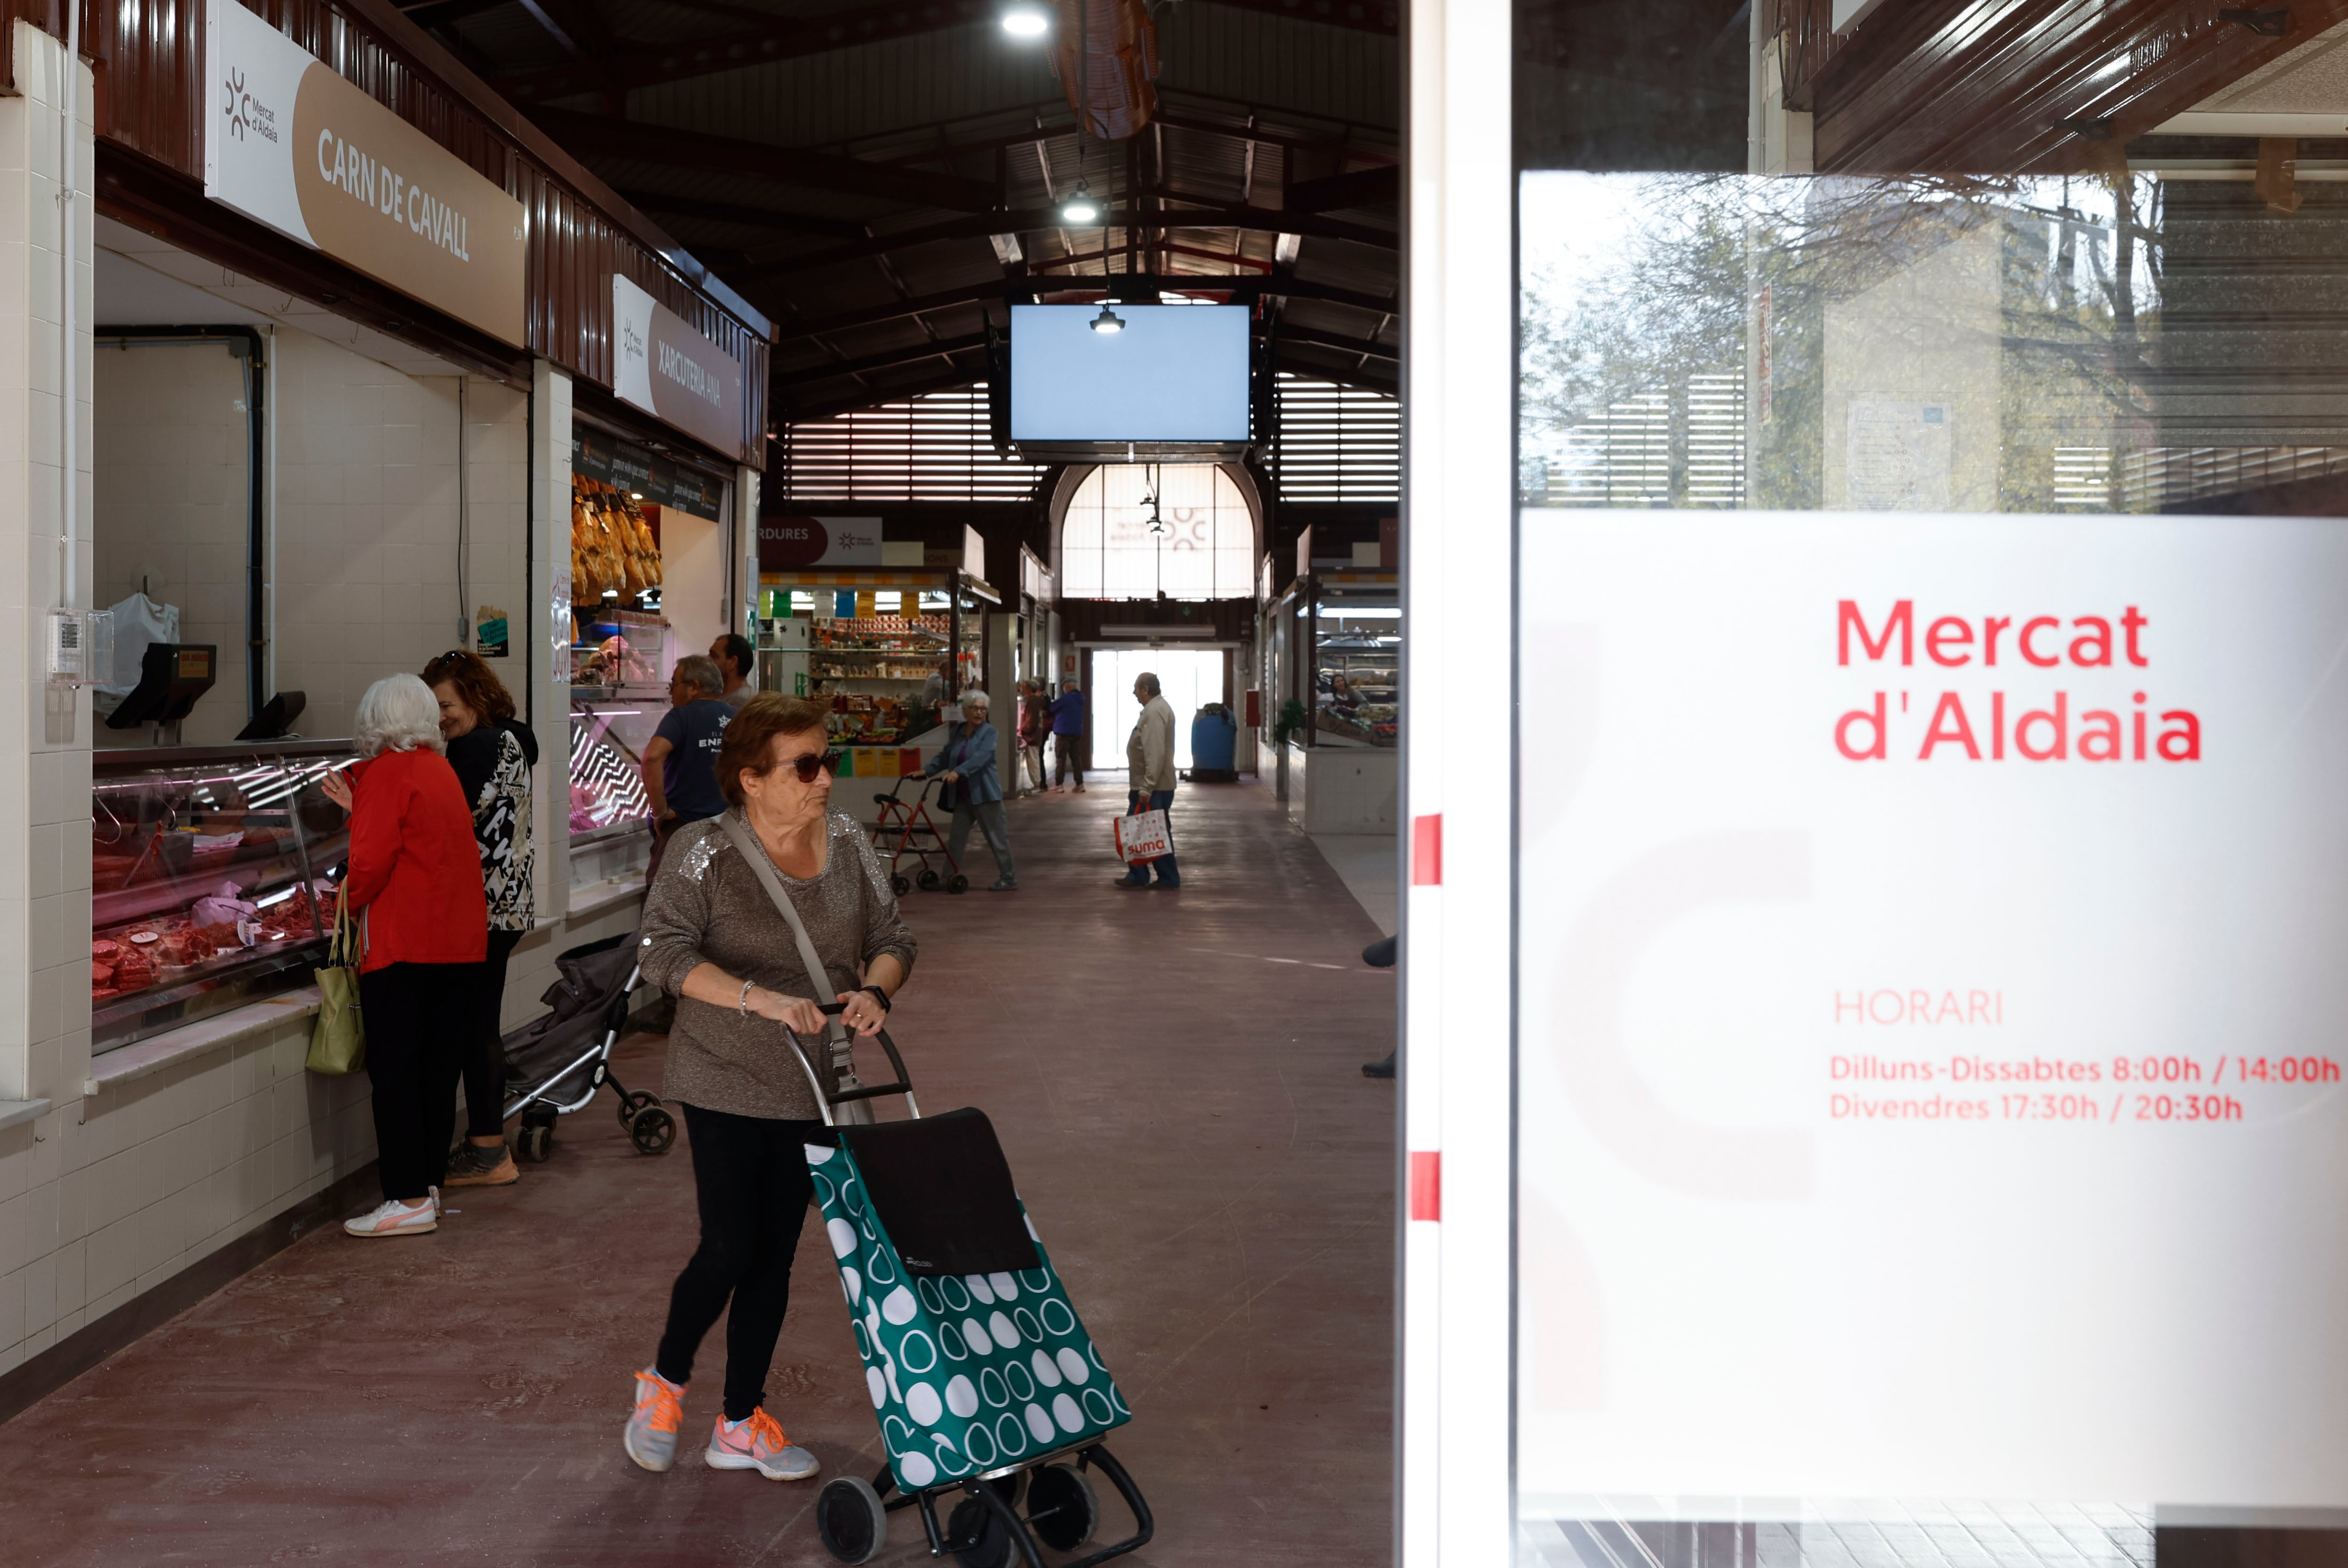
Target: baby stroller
(906, 828)
(555, 1064)
(984, 1382)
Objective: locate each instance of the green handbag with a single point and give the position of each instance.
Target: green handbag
(338, 1038)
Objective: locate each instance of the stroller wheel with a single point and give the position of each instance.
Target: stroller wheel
(532, 1141)
(976, 1535)
(652, 1130)
(632, 1103)
(850, 1520)
(1062, 1511)
(958, 884)
(926, 881)
(900, 886)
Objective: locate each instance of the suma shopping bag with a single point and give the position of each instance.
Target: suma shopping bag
(1143, 836)
(338, 1038)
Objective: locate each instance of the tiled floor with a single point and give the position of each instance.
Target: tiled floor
(1175, 1079)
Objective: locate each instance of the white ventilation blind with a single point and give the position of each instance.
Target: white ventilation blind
(1336, 443)
(936, 447)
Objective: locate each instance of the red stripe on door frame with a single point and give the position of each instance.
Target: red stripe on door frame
(1426, 851)
(1427, 1185)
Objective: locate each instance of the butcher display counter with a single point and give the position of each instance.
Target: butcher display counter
(211, 874)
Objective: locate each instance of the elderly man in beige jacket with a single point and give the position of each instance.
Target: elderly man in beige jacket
(1149, 777)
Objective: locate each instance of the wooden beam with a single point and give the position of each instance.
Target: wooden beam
(609, 137)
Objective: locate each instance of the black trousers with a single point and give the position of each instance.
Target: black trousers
(484, 1052)
(419, 1017)
(750, 1176)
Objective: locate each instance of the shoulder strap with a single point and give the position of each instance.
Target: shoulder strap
(748, 849)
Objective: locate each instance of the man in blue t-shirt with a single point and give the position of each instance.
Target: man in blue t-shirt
(680, 763)
(1068, 736)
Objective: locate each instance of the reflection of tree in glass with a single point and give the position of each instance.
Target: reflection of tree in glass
(1641, 366)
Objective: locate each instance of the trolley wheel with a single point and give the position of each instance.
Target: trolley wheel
(928, 880)
(1062, 1511)
(977, 1535)
(958, 884)
(900, 886)
(532, 1142)
(850, 1518)
(652, 1130)
(632, 1103)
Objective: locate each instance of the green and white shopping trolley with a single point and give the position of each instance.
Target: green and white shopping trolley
(985, 1384)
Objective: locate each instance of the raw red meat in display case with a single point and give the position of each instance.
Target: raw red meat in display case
(203, 860)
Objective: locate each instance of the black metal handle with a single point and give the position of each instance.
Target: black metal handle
(904, 1084)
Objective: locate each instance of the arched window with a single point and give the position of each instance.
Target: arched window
(1197, 541)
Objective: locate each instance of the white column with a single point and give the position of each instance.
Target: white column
(549, 625)
(1457, 1392)
(746, 553)
(44, 733)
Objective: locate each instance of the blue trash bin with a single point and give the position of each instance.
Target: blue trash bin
(1214, 737)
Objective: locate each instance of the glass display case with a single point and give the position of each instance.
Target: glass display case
(612, 648)
(211, 873)
(619, 690)
(609, 733)
(1357, 662)
(973, 599)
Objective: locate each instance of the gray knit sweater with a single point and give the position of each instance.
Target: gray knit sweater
(708, 906)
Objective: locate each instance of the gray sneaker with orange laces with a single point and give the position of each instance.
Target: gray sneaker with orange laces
(760, 1444)
(651, 1437)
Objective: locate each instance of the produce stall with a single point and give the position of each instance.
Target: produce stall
(890, 650)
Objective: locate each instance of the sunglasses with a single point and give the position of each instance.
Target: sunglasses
(806, 764)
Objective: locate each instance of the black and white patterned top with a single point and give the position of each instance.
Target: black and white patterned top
(493, 763)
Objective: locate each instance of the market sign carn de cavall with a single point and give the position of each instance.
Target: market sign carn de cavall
(293, 144)
(2061, 730)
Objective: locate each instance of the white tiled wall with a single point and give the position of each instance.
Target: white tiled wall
(44, 735)
(365, 535)
(169, 505)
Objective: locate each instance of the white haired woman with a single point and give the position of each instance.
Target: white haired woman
(415, 882)
(974, 788)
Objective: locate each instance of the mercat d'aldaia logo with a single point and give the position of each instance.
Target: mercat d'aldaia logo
(239, 118)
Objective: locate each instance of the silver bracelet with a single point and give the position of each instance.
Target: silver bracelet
(745, 996)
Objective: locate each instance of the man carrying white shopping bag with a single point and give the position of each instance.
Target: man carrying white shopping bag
(1150, 780)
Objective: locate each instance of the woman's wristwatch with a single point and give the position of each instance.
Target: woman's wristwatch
(877, 995)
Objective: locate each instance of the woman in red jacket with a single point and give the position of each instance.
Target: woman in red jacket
(415, 880)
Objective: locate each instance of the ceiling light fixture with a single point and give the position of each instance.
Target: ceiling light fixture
(1107, 319)
(1026, 20)
(1080, 209)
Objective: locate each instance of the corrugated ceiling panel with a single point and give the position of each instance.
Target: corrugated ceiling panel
(1337, 73)
(850, 93)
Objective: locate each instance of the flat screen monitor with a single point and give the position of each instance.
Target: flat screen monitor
(1175, 373)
